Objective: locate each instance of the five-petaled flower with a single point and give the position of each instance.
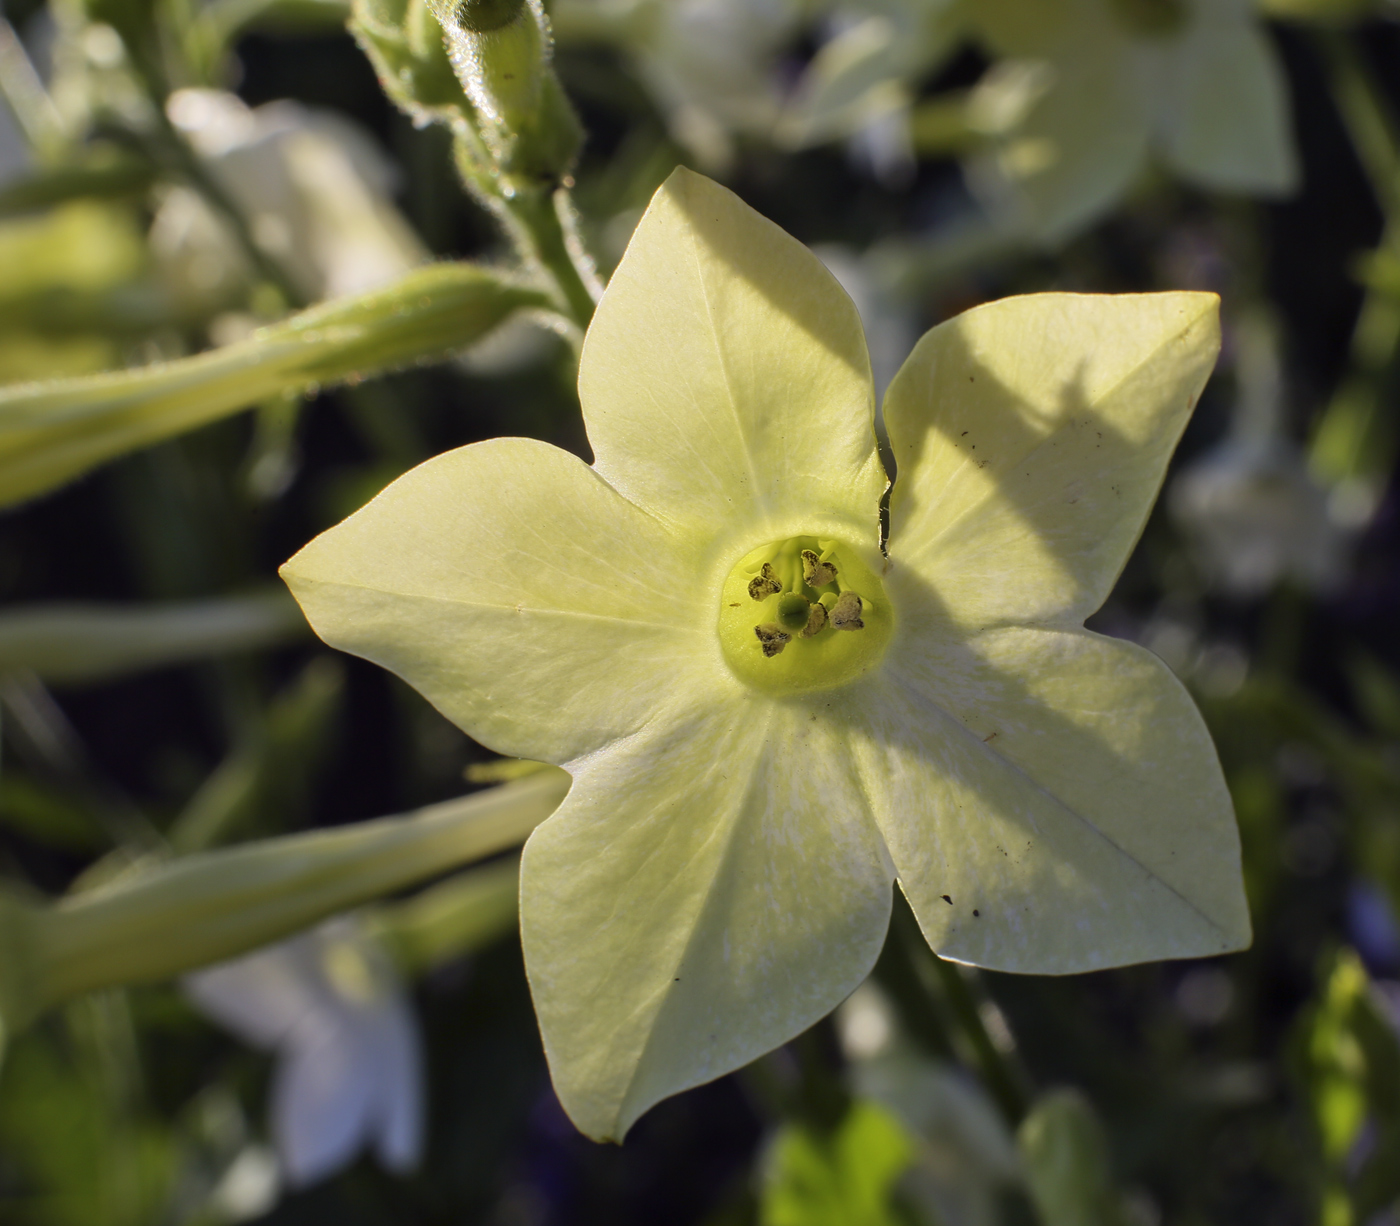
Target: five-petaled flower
(719, 876)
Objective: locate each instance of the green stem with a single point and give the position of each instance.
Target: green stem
(212, 906)
(1365, 115)
(920, 1010)
(1355, 439)
(22, 88)
(545, 232)
(947, 995)
(1003, 1082)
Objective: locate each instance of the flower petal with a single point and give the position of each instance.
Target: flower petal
(709, 889)
(514, 589)
(1225, 119)
(1052, 801)
(725, 376)
(1078, 147)
(322, 1099)
(1031, 437)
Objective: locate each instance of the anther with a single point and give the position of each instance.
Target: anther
(765, 584)
(846, 613)
(772, 638)
(816, 620)
(815, 572)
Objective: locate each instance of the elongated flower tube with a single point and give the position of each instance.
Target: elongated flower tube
(749, 779)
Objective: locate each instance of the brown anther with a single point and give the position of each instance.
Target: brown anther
(772, 638)
(815, 572)
(816, 621)
(846, 613)
(765, 584)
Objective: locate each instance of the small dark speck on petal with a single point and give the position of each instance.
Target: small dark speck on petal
(946, 899)
(976, 912)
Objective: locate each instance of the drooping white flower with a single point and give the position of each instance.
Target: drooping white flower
(349, 1069)
(313, 189)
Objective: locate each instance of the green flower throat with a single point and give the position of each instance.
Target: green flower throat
(802, 614)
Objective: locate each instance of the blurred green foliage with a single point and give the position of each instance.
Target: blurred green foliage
(181, 187)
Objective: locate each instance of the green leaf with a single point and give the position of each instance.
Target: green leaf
(846, 1178)
(267, 775)
(77, 643)
(51, 433)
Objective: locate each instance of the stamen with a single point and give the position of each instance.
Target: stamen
(772, 638)
(816, 621)
(815, 572)
(765, 584)
(846, 614)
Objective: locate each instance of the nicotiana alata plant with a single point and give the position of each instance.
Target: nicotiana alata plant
(770, 711)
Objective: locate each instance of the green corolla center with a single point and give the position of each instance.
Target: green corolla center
(806, 613)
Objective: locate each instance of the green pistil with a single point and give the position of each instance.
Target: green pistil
(783, 606)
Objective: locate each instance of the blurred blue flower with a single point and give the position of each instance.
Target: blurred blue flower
(1373, 928)
(349, 1066)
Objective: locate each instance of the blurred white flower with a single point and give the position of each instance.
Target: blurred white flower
(349, 1067)
(1084, 89)
(863, 80)
(890, 328)
(1249, 508)
(710, 65)
(313, 188)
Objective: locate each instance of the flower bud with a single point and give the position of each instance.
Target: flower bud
(405, 45)
(502, 52)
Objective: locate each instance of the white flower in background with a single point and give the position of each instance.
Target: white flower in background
(314, 189)
(890, 327)
(1084, 90)
(862, 82)
(1249, 508)
(349, 1068)
(710, 65)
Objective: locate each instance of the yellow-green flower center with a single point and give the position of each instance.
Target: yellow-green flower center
(802, 614)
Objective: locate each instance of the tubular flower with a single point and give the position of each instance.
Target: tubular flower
(750, 775)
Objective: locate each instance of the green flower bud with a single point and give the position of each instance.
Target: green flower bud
(502, 52)
(483, 16)
(405, 45)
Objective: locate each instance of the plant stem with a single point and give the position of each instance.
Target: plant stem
(545, 233)
(1355, 441)
(1365, 116)
(1003, 1081)
(946, 992)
